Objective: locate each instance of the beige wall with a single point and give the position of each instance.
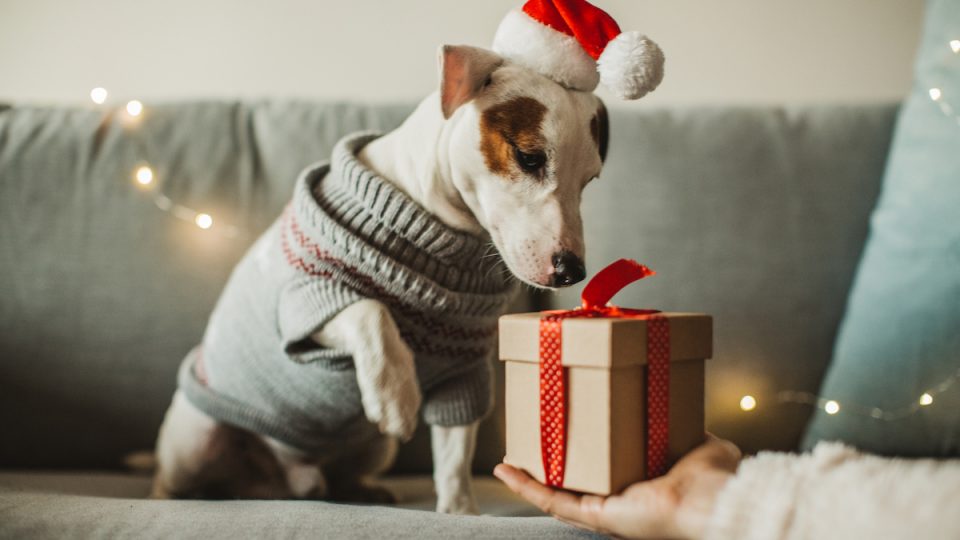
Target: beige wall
(718, 51)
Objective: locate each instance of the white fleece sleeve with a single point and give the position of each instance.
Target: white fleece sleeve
(837, 493)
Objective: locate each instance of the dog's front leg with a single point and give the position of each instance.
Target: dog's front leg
(452, 458)
(385, 370)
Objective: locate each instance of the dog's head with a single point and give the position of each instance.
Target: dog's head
(521, 150)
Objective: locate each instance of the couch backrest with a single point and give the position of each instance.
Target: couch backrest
(757, 216)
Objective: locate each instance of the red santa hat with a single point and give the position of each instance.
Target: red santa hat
(578, 45)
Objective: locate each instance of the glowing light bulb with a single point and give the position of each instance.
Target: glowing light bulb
(748, 403)
(144, 175)
(926, 399)
(204, 221)
(98, 95)
(831, 407)
(955, 45)
(134, 108)
(935, 94)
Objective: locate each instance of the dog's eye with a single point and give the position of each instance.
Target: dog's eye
(530, 163)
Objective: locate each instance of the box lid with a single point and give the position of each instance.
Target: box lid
(605, 342)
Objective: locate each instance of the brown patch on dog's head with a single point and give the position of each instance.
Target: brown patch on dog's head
(512, 125)
(600, 130)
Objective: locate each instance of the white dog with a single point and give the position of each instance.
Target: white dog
(500, 151)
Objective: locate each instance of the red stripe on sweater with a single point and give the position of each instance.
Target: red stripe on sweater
(416, 317)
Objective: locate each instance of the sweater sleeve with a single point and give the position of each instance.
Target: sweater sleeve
(836, 492)
(304, 306)
(462, 399)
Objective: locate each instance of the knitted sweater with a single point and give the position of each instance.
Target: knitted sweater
(347, 235)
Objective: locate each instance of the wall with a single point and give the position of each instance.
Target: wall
(718, 51)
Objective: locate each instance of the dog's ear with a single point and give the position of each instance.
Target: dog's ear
(600, 129)
(464, 72)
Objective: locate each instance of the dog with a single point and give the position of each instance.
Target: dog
(499, 151)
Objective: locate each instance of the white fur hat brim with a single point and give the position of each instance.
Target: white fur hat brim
(556, 55)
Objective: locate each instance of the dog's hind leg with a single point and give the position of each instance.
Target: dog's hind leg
(198, 457)
(350, 476)
(184, 436)
(304, 477)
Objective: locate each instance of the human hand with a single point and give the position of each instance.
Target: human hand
(676, 505)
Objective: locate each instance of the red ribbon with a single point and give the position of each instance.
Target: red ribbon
(553, 378)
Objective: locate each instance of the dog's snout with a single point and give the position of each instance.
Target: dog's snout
(567, 269)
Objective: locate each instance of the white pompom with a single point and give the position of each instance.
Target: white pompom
(631, 65)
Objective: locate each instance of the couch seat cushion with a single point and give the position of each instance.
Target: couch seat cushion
(81, 505)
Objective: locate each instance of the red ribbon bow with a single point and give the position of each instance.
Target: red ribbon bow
(553, 384)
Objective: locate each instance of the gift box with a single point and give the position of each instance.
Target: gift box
(600, 397)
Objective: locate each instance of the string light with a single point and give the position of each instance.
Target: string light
(937, 94)
(145, 178)
(134, 107)
(204, 221)
(831, 407)
(98, 95)
(144, 175)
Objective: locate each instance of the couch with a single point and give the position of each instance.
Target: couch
(755, 215)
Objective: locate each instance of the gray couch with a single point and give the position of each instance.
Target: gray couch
(757, 216)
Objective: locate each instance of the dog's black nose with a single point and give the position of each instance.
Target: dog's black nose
(567, 269)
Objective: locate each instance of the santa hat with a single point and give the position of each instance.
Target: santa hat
(577, 45)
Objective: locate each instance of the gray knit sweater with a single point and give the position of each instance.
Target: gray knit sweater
(347, 235)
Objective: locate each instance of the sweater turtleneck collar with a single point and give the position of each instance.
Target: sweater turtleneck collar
(366, 220)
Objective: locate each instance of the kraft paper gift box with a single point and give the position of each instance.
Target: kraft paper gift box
(602, 413)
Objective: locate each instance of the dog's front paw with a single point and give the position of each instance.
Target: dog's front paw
(388, 380)
(394, 405)
(396, 414)
(461, 504)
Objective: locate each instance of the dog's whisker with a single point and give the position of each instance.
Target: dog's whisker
(489, 251)
(490, 271)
